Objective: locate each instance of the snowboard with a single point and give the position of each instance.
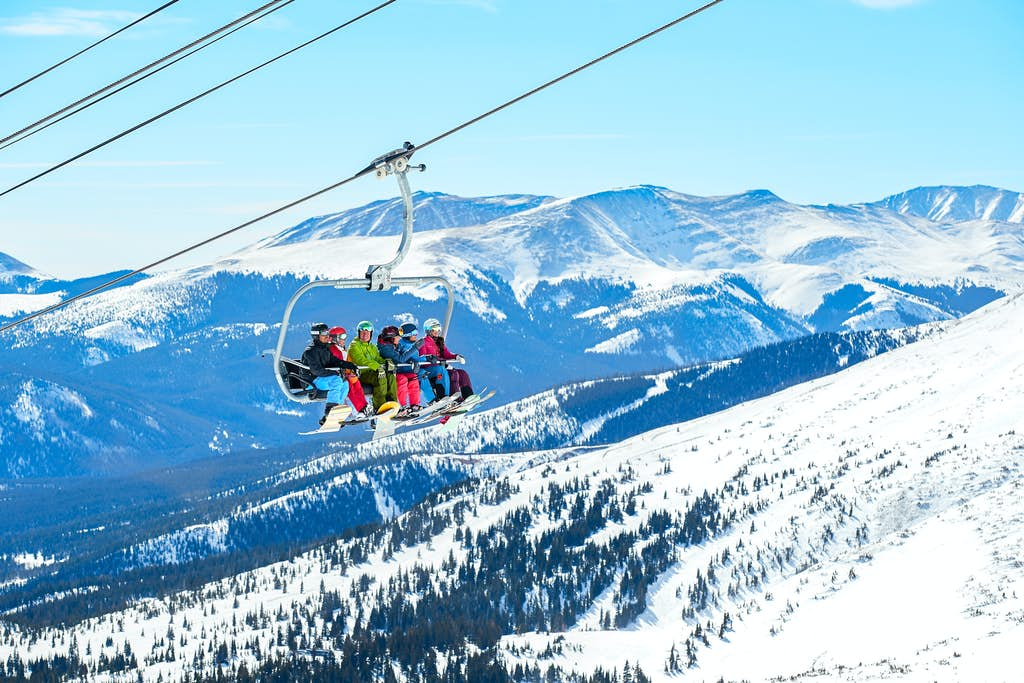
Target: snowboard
(334, 422)
(383, 424)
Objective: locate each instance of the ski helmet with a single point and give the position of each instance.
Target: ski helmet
(364, 325)
(338, 333)
(431, 323)
(318, 329)
(389, 332)
(408, 329)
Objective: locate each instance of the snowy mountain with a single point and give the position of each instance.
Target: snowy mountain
(640, 279)
(946, 204)
(860, 527)
(433, 210)
(11, 267)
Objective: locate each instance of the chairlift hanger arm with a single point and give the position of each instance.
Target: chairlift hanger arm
(395, 163)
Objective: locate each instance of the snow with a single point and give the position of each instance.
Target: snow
(594, 425)
(17, 304)
(33, 560)
(914, 602)
(618, 344)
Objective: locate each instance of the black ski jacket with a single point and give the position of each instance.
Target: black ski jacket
(321, 362)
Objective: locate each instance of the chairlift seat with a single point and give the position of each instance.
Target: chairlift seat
(299, 380)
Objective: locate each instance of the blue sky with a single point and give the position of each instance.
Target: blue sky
(818, 100)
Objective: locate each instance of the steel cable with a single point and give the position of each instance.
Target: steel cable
(189, 101)
(360, 174)
(94, 97)
(87, 48)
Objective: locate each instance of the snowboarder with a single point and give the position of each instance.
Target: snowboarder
(406, 382)
(356, 396)
(434, 345)
(376, 373)
(326, 368)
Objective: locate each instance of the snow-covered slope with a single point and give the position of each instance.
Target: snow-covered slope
(947, 204)
(433, 210)
(860, 527)
(10, 267)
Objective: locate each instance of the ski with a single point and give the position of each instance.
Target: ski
(458, 414)
(431, 412)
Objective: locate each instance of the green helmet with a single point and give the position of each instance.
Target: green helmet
(364, 325)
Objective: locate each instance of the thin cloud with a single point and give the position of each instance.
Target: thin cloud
(67, 22)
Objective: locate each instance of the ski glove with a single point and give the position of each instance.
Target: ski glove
(414, 366)
(389, 366)
(417, 344)
(347, 365)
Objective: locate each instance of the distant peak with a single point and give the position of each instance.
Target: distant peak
(12, 266)
(956, 203)
(766, 195)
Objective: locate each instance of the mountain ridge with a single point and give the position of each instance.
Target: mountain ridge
(955, 204)
(636, 279)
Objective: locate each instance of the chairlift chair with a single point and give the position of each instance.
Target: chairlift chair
(292, 376)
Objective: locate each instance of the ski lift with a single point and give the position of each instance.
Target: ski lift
(292, 376)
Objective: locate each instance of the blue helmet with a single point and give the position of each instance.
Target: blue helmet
(408, 329)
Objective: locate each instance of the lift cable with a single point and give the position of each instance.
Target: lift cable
(366, 171)
(86, 49)
(143, 73)
(189, 101)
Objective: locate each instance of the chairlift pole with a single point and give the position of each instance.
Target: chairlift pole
(378, 277)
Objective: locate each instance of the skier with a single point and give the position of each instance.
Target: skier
(377, 372)
(433, 345)
(409, 345)
(356, 396)
(407, 384)
(436, 372)
(326, 368)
